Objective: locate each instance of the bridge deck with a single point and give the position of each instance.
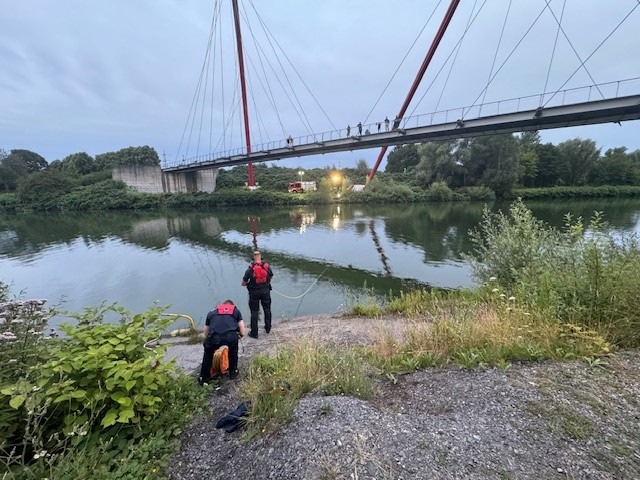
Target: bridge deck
(602, 111)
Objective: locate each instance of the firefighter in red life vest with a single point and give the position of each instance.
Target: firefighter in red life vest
(222, 327)
(257, 279)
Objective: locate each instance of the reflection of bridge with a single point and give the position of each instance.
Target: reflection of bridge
(449, 124)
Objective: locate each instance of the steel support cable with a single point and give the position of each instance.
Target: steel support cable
(505, 61)
(213, 84)
(268, 90)
(448, 58)
(582, 63)
(495, 56)
(203, 89)
(553, 52)
(227, 120)
(298, 109)
(259, 122)
(222, 95)
(594, 51)
(266, 29)
(455, 57)
(402, 61)
(204, 96)
(195, 95)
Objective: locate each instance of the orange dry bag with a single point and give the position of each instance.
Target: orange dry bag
(220, 364)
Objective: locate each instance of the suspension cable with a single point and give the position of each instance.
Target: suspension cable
(506, 60)
(192, 108)
(582, 64)
(495, 56)
(270, 35)
(447, 59)
(457, 50)
(553, 52)
(296, 105)
(594, 51)
(268, 90)
(402, 61)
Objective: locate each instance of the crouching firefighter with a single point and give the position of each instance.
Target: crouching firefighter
(223, 326)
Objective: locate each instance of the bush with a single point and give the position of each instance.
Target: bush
(507, 246)
(43, 190)
(589, 280)
(103, 385)
(439, 191)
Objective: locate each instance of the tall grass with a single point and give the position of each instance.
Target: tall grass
(274, 384)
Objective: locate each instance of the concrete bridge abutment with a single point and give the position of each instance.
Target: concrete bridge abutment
(151, 179)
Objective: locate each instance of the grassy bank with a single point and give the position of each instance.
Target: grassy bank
(546, 294)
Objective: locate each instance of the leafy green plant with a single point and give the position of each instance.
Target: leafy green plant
(99, 375)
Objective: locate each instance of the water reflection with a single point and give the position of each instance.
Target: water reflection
(185, 258)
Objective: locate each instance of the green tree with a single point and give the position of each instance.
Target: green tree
(362, 169)
(528, 158)
(616, 167)
(32, 161)
(438, 163)
(402, 158)
(12, 169)
(551, 168)
(78, 164)
(130, 156)
(579, 156)
(491, 161)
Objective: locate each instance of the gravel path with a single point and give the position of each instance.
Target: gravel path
(532, 421)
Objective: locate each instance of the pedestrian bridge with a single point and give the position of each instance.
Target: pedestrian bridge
(463, 122)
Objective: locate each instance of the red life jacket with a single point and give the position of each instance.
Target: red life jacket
(225, 309)
(260, 272)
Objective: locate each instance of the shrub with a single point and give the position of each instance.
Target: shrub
(585, 279)
(100, 375)
(506, 246)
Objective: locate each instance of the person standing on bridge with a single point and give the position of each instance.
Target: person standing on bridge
(379, 125)
(223, 326)
(386, 124)
(289, 141)
(257, 279)
(360, 128)
(348, 130)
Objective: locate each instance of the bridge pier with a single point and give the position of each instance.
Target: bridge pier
(151, 179)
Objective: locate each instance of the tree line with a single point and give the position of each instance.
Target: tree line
(503, 162)
(18, 165)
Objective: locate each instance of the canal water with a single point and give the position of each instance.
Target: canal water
(325, 258)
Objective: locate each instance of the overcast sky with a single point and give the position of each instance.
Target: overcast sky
(80, 76)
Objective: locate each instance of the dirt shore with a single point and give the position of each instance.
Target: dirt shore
(531, 421)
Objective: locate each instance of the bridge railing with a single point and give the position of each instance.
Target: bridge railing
(608, 90)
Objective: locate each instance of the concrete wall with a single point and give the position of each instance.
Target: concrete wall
(153, 180)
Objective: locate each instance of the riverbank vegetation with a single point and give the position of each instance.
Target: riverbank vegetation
(546, 294)
(98, 403)
(483, 168)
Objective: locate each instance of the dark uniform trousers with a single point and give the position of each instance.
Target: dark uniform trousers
(211, 344)
(257, 297)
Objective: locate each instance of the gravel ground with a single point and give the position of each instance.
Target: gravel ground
(532, 421)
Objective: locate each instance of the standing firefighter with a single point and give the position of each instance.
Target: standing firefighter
(257, 279)
(223, 326)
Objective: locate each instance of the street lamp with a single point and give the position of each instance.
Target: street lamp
(301, 173)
